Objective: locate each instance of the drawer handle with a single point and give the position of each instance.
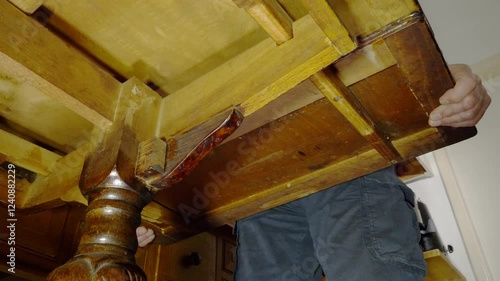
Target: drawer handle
(194, 259)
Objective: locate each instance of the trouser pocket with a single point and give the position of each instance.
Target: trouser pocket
(390, 226)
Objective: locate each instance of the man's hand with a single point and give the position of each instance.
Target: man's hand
(465, 104)
(144, 236)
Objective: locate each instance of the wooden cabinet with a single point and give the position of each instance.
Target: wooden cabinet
(226, 254)
(190, 259)
(44, 239)
(439, 267)
(204, 257)
(217, 251)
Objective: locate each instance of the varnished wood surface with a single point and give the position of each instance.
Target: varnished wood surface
(108, 243)
(68, 91)
(348, 105)
(426, 72)
(186, 151)
(171, 262)
(315, 147)
(45, 239)
(30, 156)
(271, 17)
(216, 249)
(440, 268)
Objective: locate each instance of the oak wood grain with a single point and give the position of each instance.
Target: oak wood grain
(46, 62)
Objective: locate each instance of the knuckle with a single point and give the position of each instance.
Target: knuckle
(477, 79)
(470, 81)
(470, 102)
(487, 100)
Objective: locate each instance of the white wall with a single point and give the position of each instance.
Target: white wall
(476, 168)
(468, 31)
(431, 191)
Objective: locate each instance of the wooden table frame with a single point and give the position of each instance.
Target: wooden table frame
(326, 97)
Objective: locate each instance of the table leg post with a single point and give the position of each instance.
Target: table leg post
(108, 243)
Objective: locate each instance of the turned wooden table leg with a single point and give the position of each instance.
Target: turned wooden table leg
(108, 243)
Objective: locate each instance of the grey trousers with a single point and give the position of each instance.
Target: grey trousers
(363, 230)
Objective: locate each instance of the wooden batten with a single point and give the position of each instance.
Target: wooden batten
(245, 80)
(360, 17)
(18, 73)
(63, 178)
(271, 16)
(294, 8)
(26, 154)
(37, 116)
(27, 6)
(31, 53)
(328, 20)
(345, 102)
